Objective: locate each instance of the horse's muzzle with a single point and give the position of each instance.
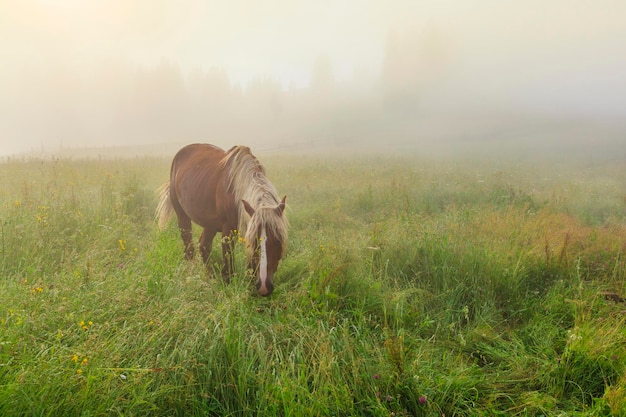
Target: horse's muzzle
(265, 290)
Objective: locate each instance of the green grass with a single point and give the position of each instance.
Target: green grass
(410, 287)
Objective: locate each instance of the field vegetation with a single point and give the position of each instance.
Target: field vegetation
(412, 286)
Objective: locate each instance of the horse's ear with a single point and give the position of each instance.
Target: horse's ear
(281, 206)
(248, 207)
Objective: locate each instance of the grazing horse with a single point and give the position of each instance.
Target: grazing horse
(226, 192)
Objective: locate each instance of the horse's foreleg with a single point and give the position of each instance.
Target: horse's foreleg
(206, 243)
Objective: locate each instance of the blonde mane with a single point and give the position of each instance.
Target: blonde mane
(247, 181)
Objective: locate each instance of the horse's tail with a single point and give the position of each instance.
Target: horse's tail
(165, 210)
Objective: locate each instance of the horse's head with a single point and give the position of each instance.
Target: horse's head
(267, 239)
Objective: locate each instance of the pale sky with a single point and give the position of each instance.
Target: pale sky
(281, 38)
(568, 54)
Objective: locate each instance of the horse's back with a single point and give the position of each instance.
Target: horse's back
(197, 152)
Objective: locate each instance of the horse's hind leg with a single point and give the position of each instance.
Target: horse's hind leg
(184, 224)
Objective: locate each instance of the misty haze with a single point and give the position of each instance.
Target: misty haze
(426, 215)
(278, 75)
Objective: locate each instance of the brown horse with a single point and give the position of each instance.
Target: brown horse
(226, 192)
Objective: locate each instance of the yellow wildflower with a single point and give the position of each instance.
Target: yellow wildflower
(36, 290)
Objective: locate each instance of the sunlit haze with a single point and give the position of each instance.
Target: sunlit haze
(284, 73)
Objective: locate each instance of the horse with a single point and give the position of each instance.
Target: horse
(227, 192)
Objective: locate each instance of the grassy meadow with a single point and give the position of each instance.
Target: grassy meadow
(412, 286)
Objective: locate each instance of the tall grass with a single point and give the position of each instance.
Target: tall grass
(411, 287)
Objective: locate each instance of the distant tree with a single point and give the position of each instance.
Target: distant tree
(433, 55)
(322, 76)
(391, 74)
(399, 74)
(413, 66)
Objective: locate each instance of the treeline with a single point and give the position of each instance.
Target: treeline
(116, 102)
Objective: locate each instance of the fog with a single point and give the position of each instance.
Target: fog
(287, 74)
